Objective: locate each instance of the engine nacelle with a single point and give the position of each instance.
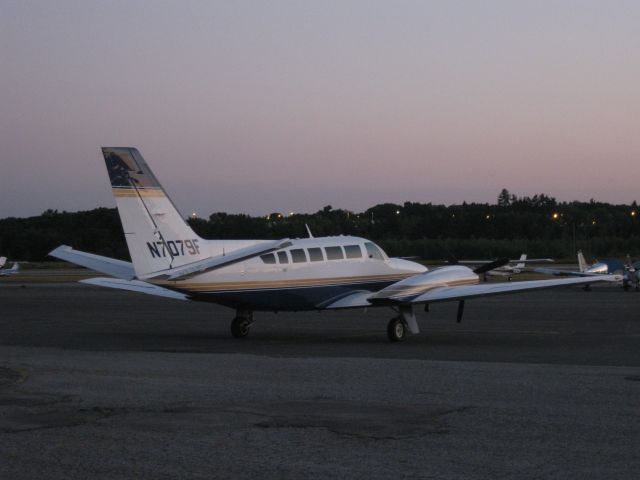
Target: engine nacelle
(411, 287)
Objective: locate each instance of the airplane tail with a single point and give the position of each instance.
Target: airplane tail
(520, 266)
(3, 260)
(15, 267)
(157, 235)
(582, 264)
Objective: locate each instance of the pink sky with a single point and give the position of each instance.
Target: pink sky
(258, 106)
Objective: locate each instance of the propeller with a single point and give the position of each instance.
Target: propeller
(490, 266)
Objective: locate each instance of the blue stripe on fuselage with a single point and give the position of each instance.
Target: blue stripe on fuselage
(285, 299)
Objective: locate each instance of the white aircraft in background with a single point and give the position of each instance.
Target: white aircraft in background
(321, 273)
(511, 268)
(4, 272)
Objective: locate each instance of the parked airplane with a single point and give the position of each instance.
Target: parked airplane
(316, 273)
(3, 260)
(610, 266)
(4, 272)
(633, 273)
(511, 268)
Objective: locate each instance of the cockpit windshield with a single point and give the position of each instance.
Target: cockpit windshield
(373, 251)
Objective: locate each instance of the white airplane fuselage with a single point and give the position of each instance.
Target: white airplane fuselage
(303, 276)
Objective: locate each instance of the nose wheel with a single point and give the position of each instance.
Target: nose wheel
(241, 325)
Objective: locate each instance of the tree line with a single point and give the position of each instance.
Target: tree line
(537, 225)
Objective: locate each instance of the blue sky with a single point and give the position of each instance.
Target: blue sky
(260, 106)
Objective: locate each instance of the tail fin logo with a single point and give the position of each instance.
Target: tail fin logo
(127, 169)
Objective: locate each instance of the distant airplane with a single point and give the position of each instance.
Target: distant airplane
(4, 272)
(633, 273)
(511, 267)
(610, 266)
(316, 273)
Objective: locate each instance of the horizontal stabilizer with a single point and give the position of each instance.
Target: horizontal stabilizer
(135, 286)
(109, 266)
(220, 261)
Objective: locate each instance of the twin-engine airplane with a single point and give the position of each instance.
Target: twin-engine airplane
(315, 273)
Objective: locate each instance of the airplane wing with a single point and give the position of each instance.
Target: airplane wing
(527, 260)
(463, 292)
(135, 286)
(560, 272)
(212, 263)
(447, 293)
(110, 266)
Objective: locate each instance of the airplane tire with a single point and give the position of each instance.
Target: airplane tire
(240, 327)
(396, 330)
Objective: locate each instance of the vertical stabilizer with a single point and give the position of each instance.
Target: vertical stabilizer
(582, 264)
(521, 264)
(3, 260)
(157, 235)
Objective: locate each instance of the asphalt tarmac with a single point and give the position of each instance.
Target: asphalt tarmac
(104, 384)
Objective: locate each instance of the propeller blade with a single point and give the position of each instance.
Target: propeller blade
(490, 266)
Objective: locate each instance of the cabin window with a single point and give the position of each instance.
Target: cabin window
(269, 258)
(353, 251)
(334, 253)
(282, 257)
(298, 255)
(373, 251)
(315, 254)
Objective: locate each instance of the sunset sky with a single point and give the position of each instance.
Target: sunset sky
(263, 106)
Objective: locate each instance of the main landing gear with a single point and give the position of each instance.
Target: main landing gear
(396, 329)
(241, 324)
(405, 321)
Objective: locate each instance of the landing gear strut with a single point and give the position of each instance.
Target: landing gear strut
(241, 325)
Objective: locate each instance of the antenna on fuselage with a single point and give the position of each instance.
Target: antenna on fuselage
(308, 230)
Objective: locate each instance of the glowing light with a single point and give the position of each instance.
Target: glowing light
(397, 212)
(633, 213)
(555, 215)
